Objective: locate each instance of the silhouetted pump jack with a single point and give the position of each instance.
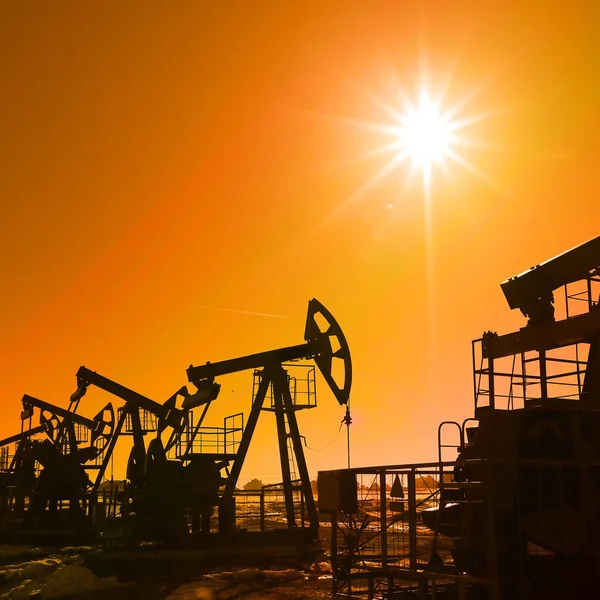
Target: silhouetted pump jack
(174, 479)
(161, 489)
(326, 345)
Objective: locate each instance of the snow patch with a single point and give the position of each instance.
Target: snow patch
(75, 579)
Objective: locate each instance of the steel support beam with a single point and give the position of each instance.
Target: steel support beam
(574, 330)
(311, 509)
(284, 456)
(227, 498)
(252, 361)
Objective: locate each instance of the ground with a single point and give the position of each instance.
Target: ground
(86, 574)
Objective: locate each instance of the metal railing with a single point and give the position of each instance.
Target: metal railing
(302, 384)
(264, 509)
(148, 421)
(223, 441)
(531, 377)
(484, 528)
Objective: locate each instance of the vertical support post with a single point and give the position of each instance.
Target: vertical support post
(524, 375)
(543, 380)
(582, 457)
(309, 499)
(578, 369)
(475, 390)
(224, 437)
(262, 509)
(412, 520)
(433, 589)
(284, 457)
(383, 518)
(334, 550)
(491, 386)
(490, 537)
(334, 542)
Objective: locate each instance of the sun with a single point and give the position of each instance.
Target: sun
(426, 131)
(425, 134)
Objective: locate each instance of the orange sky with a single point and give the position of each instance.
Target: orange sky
(163, 156)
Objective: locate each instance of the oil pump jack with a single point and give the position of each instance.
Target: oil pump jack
(157, 495)
(173, 483)
(52, 461)
(326, 345)
(171, 480)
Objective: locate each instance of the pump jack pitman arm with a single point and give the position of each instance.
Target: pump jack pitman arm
(319, 346)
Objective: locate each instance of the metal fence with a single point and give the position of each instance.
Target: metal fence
(522, 530)
(264, 509)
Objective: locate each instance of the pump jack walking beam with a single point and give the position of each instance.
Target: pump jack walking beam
(318, 347)
(167, 413)
(85, 377)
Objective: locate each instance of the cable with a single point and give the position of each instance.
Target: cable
(330, 443)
